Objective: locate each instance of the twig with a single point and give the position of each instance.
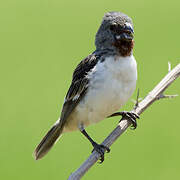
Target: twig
(162, 96)
(169, 66)
(137, 100)
(155, 94)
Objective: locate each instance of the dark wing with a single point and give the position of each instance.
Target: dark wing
(78, 86)
(75, 93)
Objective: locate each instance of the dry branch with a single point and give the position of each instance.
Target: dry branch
(155, 94)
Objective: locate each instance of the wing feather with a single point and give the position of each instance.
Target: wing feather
(78, 86)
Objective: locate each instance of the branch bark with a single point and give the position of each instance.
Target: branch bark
(155, 94)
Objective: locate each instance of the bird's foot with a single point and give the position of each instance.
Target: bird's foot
(101, 150)
(131, 116)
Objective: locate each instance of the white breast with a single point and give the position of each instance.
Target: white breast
(111, 83)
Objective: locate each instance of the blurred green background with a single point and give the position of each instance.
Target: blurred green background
(41, 42)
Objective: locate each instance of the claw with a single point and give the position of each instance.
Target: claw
(127, 115)
(100, 149)
(132, 117)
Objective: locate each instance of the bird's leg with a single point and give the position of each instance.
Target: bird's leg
(131, 116)
(97, 147)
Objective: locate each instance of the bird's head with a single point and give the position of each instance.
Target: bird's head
(116, 32)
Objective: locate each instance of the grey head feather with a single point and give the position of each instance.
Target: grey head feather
(104, 36)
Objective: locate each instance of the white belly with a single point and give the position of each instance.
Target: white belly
(111, 83)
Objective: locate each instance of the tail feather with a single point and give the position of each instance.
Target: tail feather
(48, 141)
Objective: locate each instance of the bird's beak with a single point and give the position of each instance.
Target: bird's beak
(126, 34)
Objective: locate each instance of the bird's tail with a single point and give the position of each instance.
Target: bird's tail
(48, 141)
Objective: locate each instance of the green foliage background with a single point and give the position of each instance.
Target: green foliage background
(41, 42)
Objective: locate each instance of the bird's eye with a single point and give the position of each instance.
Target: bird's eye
(112, 27)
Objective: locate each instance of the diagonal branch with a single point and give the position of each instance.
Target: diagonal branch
(155, 94)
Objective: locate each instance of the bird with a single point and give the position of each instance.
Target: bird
(101, 84)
